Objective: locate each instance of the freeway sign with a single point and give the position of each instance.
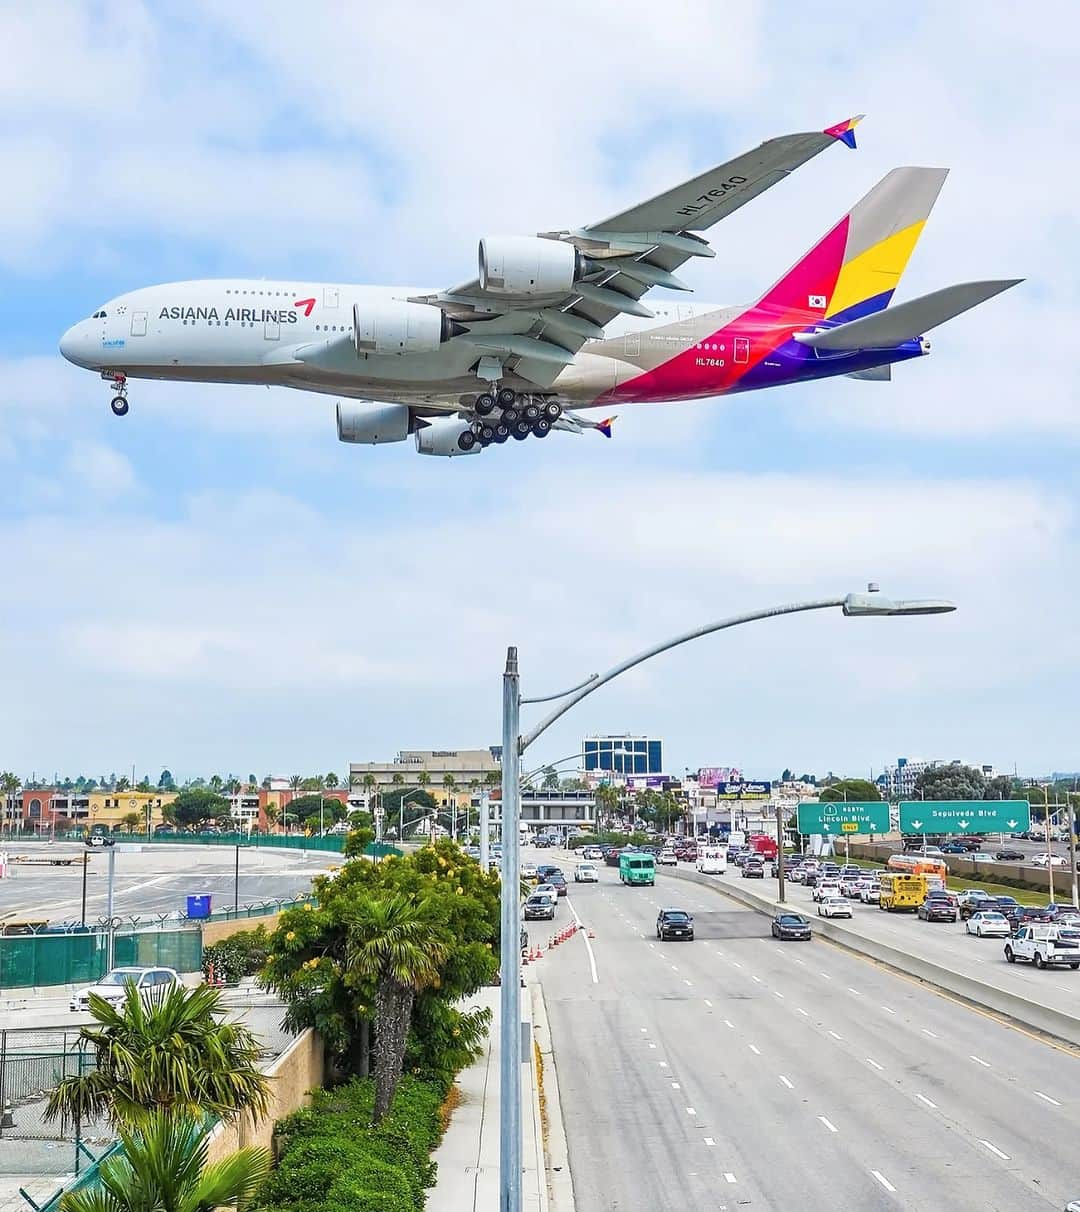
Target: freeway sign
(964, 816)
(866, 816)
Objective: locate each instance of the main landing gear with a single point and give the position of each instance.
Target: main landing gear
(505, 413)
(119, 403)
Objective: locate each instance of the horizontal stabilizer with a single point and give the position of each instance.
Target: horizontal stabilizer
(905, 321)
(875, 374)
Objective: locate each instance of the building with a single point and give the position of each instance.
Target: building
(553, 811)
(106, 810)
(444, 773)
(898, 782)
(622, 755)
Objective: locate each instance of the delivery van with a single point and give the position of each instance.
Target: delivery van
(712, 860)
(637, 867)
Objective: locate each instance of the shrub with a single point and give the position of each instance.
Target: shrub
(331, 1158)
(241, 954)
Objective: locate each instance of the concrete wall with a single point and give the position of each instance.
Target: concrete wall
(214, 932)
(293, 1075)
(965, 869)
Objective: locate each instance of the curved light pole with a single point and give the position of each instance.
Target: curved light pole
(512, 1045)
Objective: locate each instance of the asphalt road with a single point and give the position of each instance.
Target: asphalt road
(155, 880)
(736, 1071)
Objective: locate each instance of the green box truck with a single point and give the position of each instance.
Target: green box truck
(637, 867)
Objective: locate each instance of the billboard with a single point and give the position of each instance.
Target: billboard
(741, 789)
(646, 782)
(710, 776)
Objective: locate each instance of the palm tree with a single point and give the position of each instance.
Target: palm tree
(216, 783)
(398, 779)
(294, 782)
(394, 943)
(123, 783)
(163, 1168)
(423, 779)
(166, 1052)
(368, 782)
(331, 780)
(272, 815)
(132, 820)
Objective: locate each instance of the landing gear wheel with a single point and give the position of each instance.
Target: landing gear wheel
(542, 427)
(552, 410)
(510, 416)
(521, 430)
(531, 412)
(119, 406)
(486, 434)
(502, 432)
(466, 440)
(507, 397)
(485, 404)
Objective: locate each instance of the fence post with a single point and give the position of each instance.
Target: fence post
(3, 1074)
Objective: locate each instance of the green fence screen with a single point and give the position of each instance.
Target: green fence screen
(33, 960)
(179, 949)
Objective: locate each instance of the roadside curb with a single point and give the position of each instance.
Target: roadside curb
(556, 1152)
(1056, 1023)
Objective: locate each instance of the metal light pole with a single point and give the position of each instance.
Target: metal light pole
(109, 906)
(511, 1051)
(236, 882)
(86, 863)
(780, 849)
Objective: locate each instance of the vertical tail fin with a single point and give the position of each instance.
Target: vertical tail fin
(854, 269)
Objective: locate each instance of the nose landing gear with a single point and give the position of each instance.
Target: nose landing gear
(119, 403)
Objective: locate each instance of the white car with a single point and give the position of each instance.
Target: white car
(113, 985)
(546, 890)
(824, 888)
(586, 873)
(833, 906)
(528, 871)
(667, 858)
(987, 923)
(1049, 860)
(870, 893)
(849, 885)
(982, 856)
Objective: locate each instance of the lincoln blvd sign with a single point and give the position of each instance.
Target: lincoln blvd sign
(838, 817)
(964, 816)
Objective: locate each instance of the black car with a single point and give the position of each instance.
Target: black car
(1010, 856)
(543, 870)
(558, 881)
(790, 925)
(674, 923)
(937, 909)
(995, 904)
(1023, 915)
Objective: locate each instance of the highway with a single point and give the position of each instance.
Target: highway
(737, 1071)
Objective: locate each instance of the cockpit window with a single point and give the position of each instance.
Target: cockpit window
(98, 315)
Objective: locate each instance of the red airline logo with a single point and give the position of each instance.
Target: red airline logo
(306, 304)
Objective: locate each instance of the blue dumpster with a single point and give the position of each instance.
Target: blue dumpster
(198, 906)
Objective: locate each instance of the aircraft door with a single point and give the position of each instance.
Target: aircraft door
(742, 350)
(330, 296)
(272, 330)
(632, 344)
(138, 323)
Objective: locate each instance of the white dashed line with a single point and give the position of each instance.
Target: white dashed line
(736, 963)
(831, 1126)
(729, 1177)
(652, 1045)
(755, 1049)
(1047, 1098)
(779, 995)
(798, 961)
(675, 1086)
(888, 1010)
(710, 1142)
(755, 978)
(923, 1099)
(855, 991)
(870, 1061)
(686, 982)
(927, 1031)
(708, 1003)
(674, 968)
(806, 1013)
(644, 1030)
(835, 1036)
(979, 1060)
(663, 1064)
(690, 1111)
(995, 1150)
(790, 1085)
(652, 945)
(729, 1023)
(826, 976)
(883, 1180)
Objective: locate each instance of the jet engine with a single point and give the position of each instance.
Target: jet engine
(444, 437)
(394, 326)
(527, 265)
(359, 421)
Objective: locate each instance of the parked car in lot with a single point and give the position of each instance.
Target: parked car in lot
(790, 925)
(113, 986)
(586, 873)
(1043, 946)
(674, 923)
(667, 858)
(936, 909)
(834, 906)
(954, 848)
(988, 923)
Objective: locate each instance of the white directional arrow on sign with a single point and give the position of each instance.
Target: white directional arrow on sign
(962, 824)
(916, 824)
(826, 826)
(1011, 824)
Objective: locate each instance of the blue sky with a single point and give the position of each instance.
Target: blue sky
(215, 583)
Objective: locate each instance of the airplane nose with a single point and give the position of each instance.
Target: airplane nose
(74, 345)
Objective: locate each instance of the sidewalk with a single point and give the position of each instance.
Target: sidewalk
(468, 1157)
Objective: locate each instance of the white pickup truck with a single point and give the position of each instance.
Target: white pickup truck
(1044, 946)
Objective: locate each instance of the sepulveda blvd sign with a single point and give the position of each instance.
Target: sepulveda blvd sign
(964, 816)
(843, 819)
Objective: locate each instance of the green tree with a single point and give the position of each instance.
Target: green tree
(331, 781)
(1000, 788)
(169, 1052)
(953, 782)
(397, 779)
(273, 815)
(307, 809)
(551, 779)
(132, 821)
(423, 779)
(857, 790)
(123, 783)
(216, 783)
(194, 806)
(163, 1168)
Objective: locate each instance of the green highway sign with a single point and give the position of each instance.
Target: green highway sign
(964, 816)
(840, 819)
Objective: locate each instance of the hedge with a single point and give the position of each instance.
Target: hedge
(601, 839)
(332, 1159)
(241, 954)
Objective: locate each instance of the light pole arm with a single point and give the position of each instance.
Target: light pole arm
(594, 683)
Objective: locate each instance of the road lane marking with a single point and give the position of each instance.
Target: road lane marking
(927, 1031)
(790, 1085)
(855, 991)
(755, 1049)
(870, 1061)
(888, 1010)
(799, 961)
(835, 1036)
(736, 963)
(979, 1060)
(729, 1023)
(708, 1003)
(755, 978)
(686, 982)
(644, 1030)
(826, 976)
(802, 1011)
(1054, 1101)
(675, 1086)
(674, 968)
(779, 995)
(831, 1126)
(663, 1064)
(652, 1045)
(652, 945)
(690, 1111)
(923, 1099)
(710, 1142)
(585, 939)
(995, 1150)
(883, 1180)
(729, 1177)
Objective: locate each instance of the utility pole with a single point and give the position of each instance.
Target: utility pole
(86, 863)
(780, 849)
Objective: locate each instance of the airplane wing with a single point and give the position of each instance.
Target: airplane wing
(521, 316)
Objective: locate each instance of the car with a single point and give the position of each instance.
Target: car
(1010, 856)
(834, 906)
(954, 848)
(543, 870)
(754, 869)
(593, 853)
(539, 906)
(1044, 946)
(870, 893)
(586, 873)
(113, 985)
(1021, 915)
(99, 839)
(790, 925)
(982, 856)
(528, 871)
(988, 923)
(674, 923)
(825, 888)
(849, 885)
(558, 880)
(546, 889)
(1049, 860)
(970, 904)
(667, 858)
(937, 909)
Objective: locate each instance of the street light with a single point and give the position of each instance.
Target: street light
(514, 745)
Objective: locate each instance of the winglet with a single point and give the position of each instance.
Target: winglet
(605, 426)
(845, 131)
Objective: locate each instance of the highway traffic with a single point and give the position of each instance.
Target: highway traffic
(737, 1070)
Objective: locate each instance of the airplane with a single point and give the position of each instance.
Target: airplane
(554, 324)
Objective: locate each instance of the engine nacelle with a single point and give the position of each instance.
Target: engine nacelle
(394, 326)
(440, 437)
(359, 421)
(527, 265)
